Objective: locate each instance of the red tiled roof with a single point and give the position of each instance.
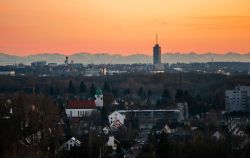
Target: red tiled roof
(81, 104)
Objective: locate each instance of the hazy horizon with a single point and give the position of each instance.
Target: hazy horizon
(102, 58)
(113, 54)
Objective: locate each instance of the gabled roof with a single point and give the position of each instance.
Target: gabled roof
(116, 124)
(115, 113)
(81, 104)
(217, 135)
(74, 140)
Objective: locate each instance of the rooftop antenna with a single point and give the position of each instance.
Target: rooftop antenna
(66, 60)
(212, 63)
(156, 39)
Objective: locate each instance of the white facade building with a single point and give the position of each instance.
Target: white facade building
(73, 142)
(184, 114)
(115, 117)
(79, 112)
(217, 135)
(99, 98)
(238, 99)
(80, 108)
(8, 73)
(84, 108)
(112, 142)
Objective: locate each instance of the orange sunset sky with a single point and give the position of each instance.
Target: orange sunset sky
(124, 26)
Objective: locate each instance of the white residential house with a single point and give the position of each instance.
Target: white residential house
(217, 135)
(167, 130)
(112, 142)
(73, 142)
(105, 130)
(116, 117)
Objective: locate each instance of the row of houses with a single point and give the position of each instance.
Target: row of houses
(79, 108)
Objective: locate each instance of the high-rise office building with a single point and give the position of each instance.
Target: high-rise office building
(238, 99)
(157, 53)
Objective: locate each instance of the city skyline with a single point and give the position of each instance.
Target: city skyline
(124, 27)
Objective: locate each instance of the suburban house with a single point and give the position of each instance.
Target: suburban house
(116, 119)
(167, 129)
(112, 142)
(32, 140)
(73, 142)
(217, 135)
(84, 108)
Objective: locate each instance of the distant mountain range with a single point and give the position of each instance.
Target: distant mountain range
(87, 58)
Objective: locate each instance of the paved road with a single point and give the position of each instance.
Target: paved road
(140, 141)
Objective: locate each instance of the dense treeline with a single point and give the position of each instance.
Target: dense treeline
(195, 83)
(206, 147)
(206, 90)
